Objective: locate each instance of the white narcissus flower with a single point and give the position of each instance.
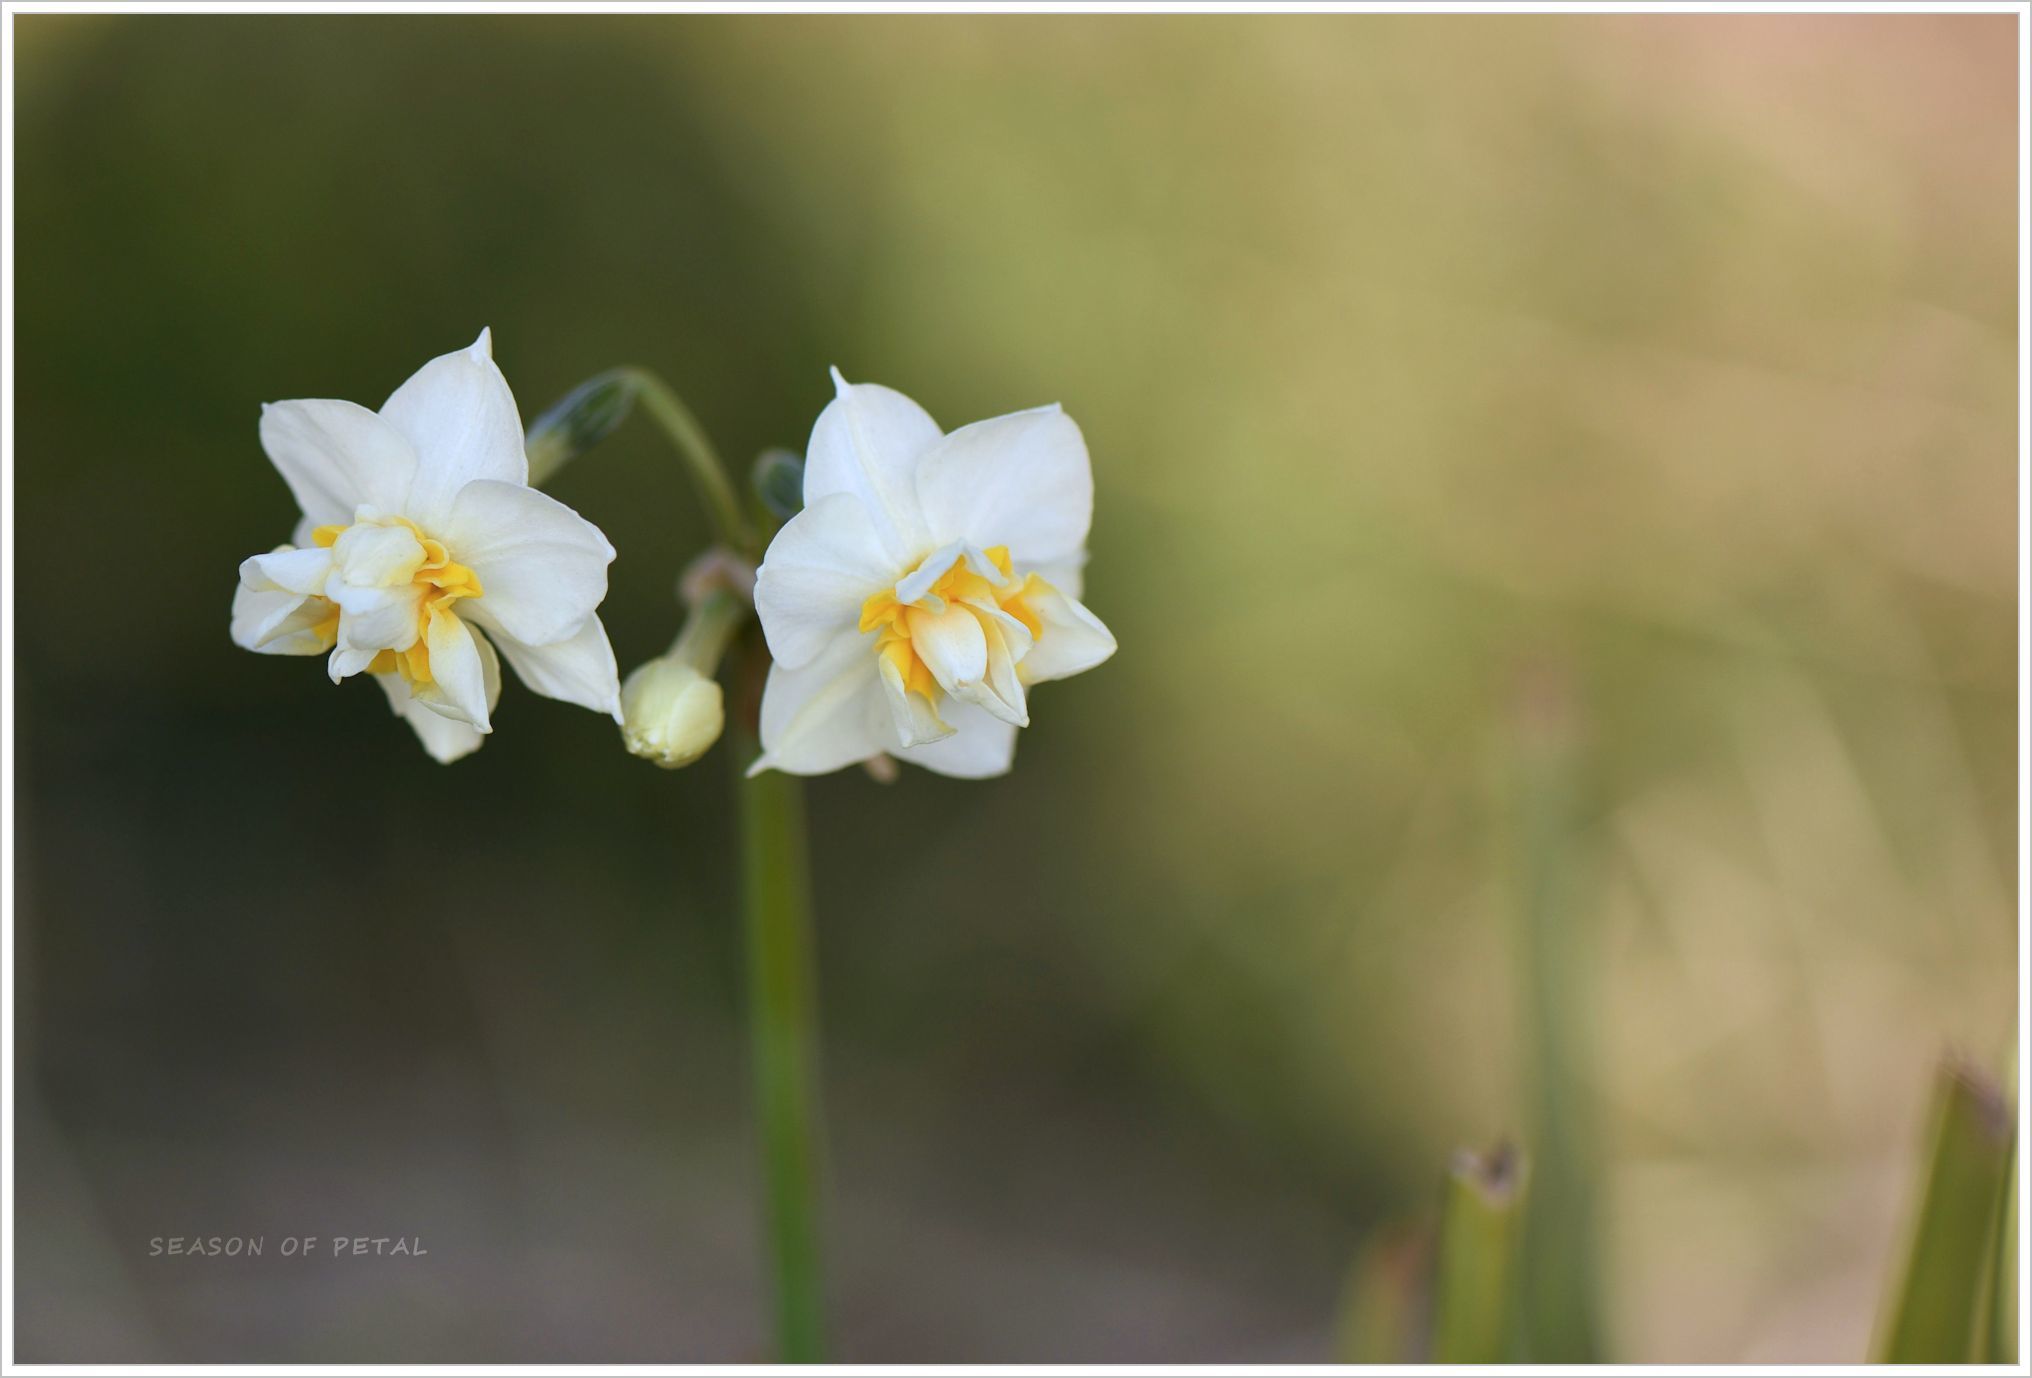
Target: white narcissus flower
(419, 532)
(930, 580)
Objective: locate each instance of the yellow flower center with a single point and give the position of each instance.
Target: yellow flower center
(963, 584)
(438, 582)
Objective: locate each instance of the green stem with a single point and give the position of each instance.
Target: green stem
(708, 627)
(775, 891)
(708, 471)
(783, 1020)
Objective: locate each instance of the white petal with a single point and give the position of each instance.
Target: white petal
(1001, 689)
(445, 739)
(460, 417)
(913, 587)
(827, 714)
(367, 555)
(915, 718)
(466, 677)
(542, 567)
(868, 442)
(579, 669)
(374, 619)
(337, 455)
(1073, 639)
(980, 746)
(951, 645)
(1022, 481)
(1068, 576)
(287, 570)
(347, 661)
(821, 567)
(278, 623)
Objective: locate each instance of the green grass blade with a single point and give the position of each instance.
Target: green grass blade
(1935, 1312)
(1474, 1287)
(1560, 1316)
(1382, 1312)
(2004, 1277)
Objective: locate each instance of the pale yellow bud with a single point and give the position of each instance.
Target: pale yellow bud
(671, 714)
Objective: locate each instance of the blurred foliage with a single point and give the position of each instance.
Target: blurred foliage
(1386, 1303)
(1555, 945)
(2000, 1343)
(1474, 1297)
(1416, 355)
(1938, 1309)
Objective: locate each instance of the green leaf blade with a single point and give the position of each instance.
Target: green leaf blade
(1474, 1286)
(1936, 1312)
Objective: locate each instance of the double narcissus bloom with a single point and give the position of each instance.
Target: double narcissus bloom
(419, 532)
(930, 580)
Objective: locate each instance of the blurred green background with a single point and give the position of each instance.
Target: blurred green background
(1627, 402)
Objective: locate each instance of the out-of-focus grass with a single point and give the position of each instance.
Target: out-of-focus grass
(1474, 1304)
(1385, 1305)
(1673, 352)
(2000, 1343)
(1442, 1286)
(1556, 945)
(1938, 1306)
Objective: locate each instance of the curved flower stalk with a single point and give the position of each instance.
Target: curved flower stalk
(423, 551)
(929, 582)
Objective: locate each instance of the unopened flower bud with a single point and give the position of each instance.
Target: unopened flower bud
(670, 713)
(778, 478)
(671, 708)
(579, 420)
